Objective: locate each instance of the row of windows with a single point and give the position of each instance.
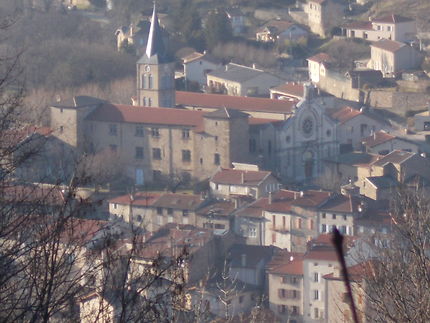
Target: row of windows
(293, 310)
(139, 131)
(288, 293)
(329, 228)
(333, 216)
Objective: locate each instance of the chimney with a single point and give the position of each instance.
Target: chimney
(242, 178)
(254, 66)
(226, 67)
(270, 197)
(131, 30)
(295, 196)
(302, 193)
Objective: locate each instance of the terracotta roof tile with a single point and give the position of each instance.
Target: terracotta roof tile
(377, 138)
(342, 203)
(321, 58)
(178, 201)
(139, 198)
(254, 255)
(163, 116)
(391, 19)
(287, 263)
(344, 114)
(312, 198)
(291, 88)
(245, 104)
(363, 25)
(388, 45)
(395, 157)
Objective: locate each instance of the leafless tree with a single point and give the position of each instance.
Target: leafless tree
(397, 281)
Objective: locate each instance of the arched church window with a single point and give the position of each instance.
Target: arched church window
(150, 81)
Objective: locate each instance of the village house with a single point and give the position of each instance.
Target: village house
(247, 263)
(382, 143)
(393, 27)
(198, 65)
(243, 180)
(355, 125)
(343, 168)
(285, 286)
(323, 15)
(391, 57)
(133, 36)
(340, 211)
(240, 80)
(280, 31)
(321, 259)
(216, 216)
(237, 20)
(378, 179)
(317, 66)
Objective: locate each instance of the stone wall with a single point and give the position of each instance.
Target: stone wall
(338, 85)
(399, 102)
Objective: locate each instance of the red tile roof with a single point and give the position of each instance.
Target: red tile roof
(246, 104)
(311, 198)
(287, 263)
(178, 201)
(344, 114)
(377, 138)
(239, 177)
(321, 58)
(363, 25)
(391, 19)
(388, 45)
(280, 25)
(291, 88)
(322, 253)
(139, 198)
(79, 231)
(28, 194)
(164, 116)
(342, 203)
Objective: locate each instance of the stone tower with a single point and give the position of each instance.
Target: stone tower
(155, 71)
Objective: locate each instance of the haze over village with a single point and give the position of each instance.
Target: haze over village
(190, 161)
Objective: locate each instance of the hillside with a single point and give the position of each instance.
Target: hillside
(418, 9)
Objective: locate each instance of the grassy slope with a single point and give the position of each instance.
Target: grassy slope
(417, 9)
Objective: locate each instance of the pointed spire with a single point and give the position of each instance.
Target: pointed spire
(155, 45)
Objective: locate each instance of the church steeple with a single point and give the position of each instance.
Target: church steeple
(155, 71)
(155, 45)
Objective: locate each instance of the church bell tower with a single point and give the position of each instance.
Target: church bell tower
(155, 71)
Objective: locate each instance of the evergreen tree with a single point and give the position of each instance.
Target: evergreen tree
(217, 29)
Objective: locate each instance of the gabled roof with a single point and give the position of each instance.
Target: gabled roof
(363, 25)
(237, 73)
(311, 198)
(276, 26)
(286, 263)
(377, 138)
(391, 19)
(217, 208)
(382, 182)
(395, 157)
(137, 199)
(290, 88)
(388, 45)
(178, 201)
(344, 114)
(234, 102)
(341, 203)
(320, 58)
(252, 255)
(239, 177)
(126, 113)
(203, 56)
(353, 158)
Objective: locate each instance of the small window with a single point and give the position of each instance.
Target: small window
(139, 153)
(217, 159)
(333, 216)
(316, 294)
(241, 298)
(113, 130)
(316, 277)
(61, 129)
(323, 228)
(185, 213)
(328, 133)
(115, 206)
(344, 217)
(139, 131)
(159, 210)
(169, 211)
(316, 312)
(155, 132)
(156, 175)
(323, 215)
(186, 156)
(288, 139)
(185, 134)
(156, 153)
